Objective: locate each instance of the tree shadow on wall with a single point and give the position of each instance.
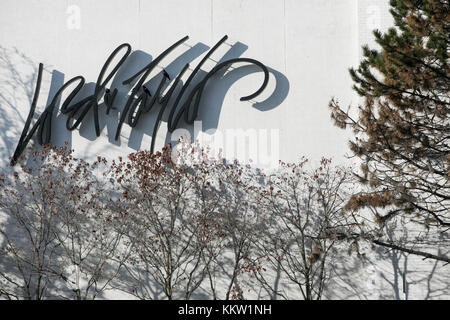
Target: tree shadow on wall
(412, 277)
(387, 274)
(18, 76)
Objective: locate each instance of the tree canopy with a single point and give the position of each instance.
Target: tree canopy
(402, 131)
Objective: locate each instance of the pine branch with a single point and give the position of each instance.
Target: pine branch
(426, 255)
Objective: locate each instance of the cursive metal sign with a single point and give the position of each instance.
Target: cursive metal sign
(139, 102)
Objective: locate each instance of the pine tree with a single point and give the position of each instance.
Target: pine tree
(402, 131)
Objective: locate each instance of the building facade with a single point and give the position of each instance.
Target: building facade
(307, 47)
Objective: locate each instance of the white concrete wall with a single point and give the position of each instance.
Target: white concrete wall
(308, 46)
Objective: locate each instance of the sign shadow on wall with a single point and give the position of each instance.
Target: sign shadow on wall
(130, 88)
(221, 83)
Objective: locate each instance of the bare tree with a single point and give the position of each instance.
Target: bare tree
(158, 226)
(304, 222)
(235, 222)
(165, 221)
(58, 240)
